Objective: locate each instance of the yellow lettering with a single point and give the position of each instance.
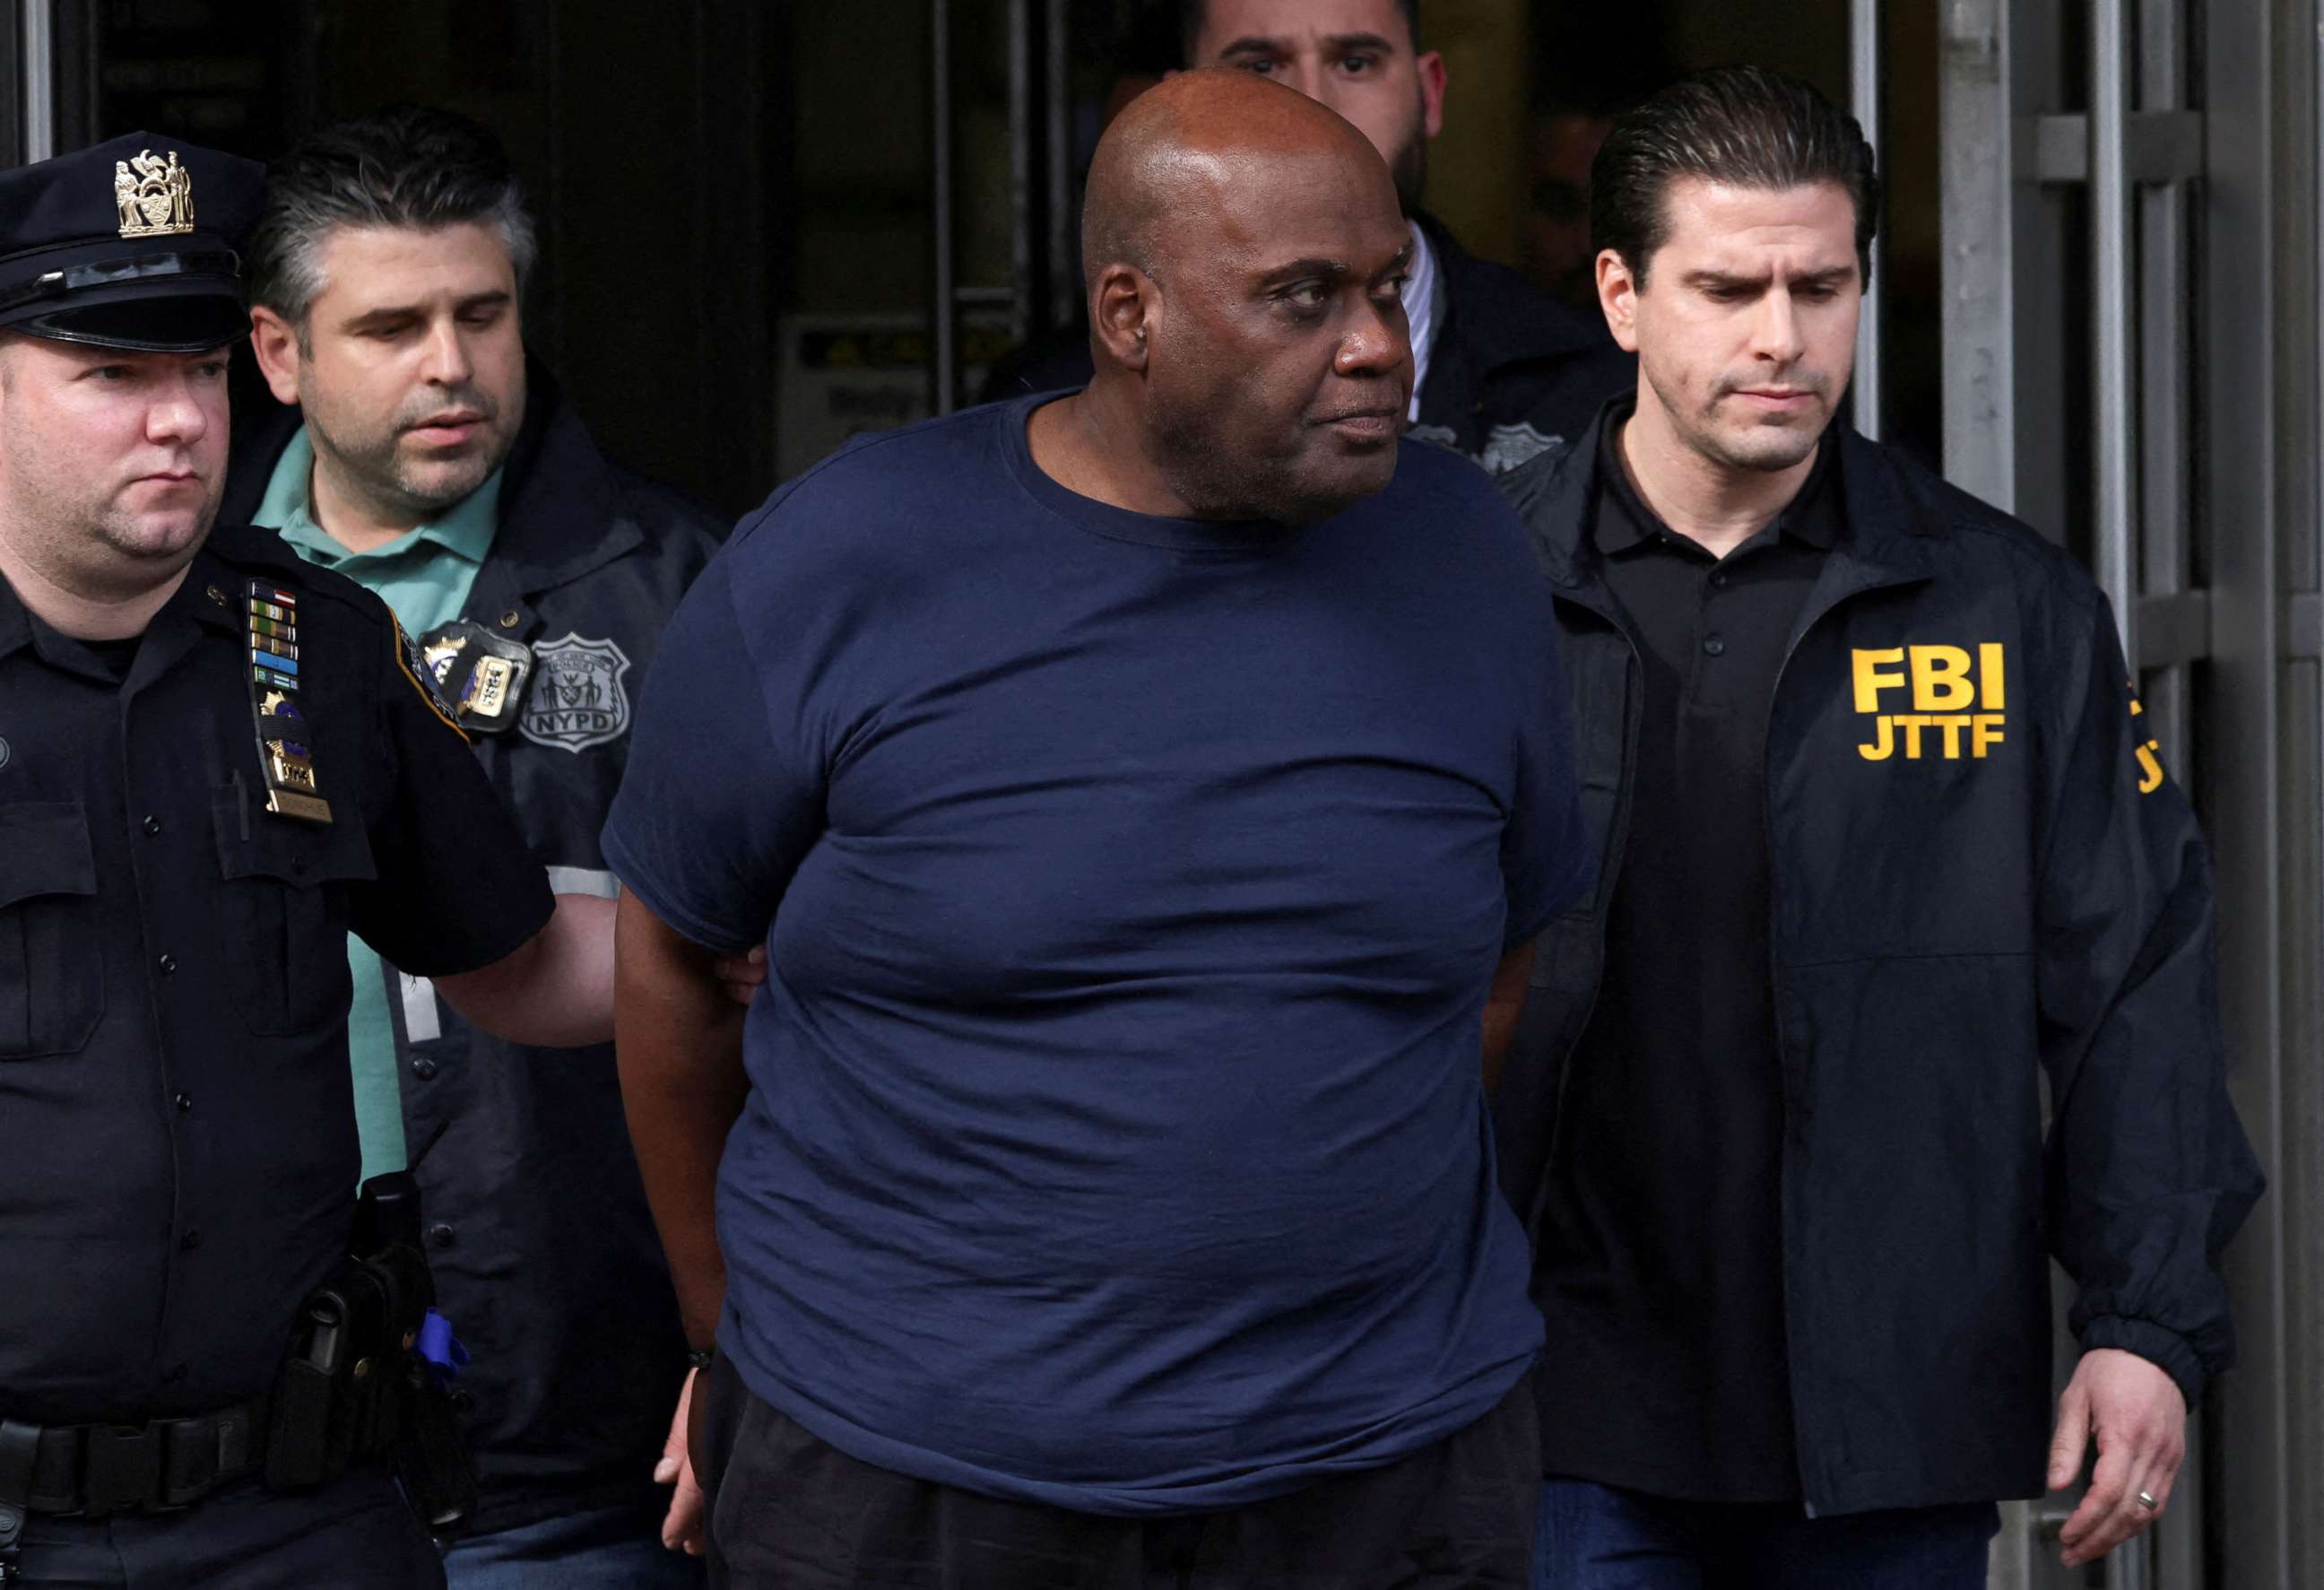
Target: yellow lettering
(1869, 680)
(1984, 733)
(2150, 768)
(1912, 723)
(1994, 675)
(1940, 681)
(1952, 728)
(1884, 744)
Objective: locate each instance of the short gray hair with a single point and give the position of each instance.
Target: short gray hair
(409, 165)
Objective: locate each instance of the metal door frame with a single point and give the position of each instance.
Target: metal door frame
(1039, 294)
(48, 75)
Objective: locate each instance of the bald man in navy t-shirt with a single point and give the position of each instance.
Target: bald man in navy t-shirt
(1143, 833)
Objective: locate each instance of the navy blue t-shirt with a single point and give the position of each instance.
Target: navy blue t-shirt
(1130, 888)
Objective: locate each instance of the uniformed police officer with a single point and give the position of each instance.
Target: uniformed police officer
(214, 762)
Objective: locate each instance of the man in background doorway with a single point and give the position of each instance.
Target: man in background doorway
(420, 453)
(1559, 258)
(1502, 370)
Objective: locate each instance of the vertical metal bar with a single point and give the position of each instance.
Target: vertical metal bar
(1975, 205)
(2113, 507)
(39, 81)
(944, 328)
(2258, 332)
(1021, 175)
(551, 321)
(1065, 280)
(11, 84)
(2301, 757)
(1864, 99)
(2165, 562)
(2043, 292)
(2163, 352)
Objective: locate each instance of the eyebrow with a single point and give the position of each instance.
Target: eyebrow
(1836, 276)
(1331, 270)
(386, 313)
(1334, 43)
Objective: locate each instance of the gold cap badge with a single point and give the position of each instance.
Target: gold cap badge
(154, 196)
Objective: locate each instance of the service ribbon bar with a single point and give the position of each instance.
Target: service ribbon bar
(282, 751)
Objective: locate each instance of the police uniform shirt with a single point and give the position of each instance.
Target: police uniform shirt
(1660, 1251)
(178, 1147)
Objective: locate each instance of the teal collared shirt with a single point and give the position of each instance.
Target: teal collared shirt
(424, 576)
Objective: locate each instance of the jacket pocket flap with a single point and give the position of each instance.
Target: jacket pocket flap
(44, 849)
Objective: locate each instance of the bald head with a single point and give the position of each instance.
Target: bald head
(1245, 252)
(1169, 160)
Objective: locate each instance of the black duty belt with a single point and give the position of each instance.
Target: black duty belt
(94, 1471)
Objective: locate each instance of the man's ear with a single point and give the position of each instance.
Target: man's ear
(1430, 70)
(1617, 296)
(275, 342)
(1121, 309)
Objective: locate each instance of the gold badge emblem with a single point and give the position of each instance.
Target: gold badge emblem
(154, 196)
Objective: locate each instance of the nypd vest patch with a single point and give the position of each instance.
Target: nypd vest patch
(577, 697)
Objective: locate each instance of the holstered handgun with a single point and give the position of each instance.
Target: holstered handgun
(354, 1383)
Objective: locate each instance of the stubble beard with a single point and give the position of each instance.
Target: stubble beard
(133, 536)
(103, 549)
(1760, 449)
(1409, 166)
(1279, 485)
(1199, 471)
(374, 463)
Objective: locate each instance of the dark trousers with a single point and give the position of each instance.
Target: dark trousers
(352, 1534)
(1598, 1537)
(788, 1511)
(601, 1549)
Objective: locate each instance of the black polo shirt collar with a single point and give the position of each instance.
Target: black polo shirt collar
(15, 622)
(1812, 515)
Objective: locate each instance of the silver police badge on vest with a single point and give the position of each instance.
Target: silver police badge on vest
(577, 697)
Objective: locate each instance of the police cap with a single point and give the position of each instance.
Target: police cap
(128, 244)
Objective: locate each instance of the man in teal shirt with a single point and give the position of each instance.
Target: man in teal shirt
(424, 575)
(416, 449)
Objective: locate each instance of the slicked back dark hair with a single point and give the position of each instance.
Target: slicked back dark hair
(409, 165)
(1744, 126)
(1192, 13)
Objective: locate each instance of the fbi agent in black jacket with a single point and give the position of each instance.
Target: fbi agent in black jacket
(1502, 370)
(386, 275)
(1883, 842)
(214, 765)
